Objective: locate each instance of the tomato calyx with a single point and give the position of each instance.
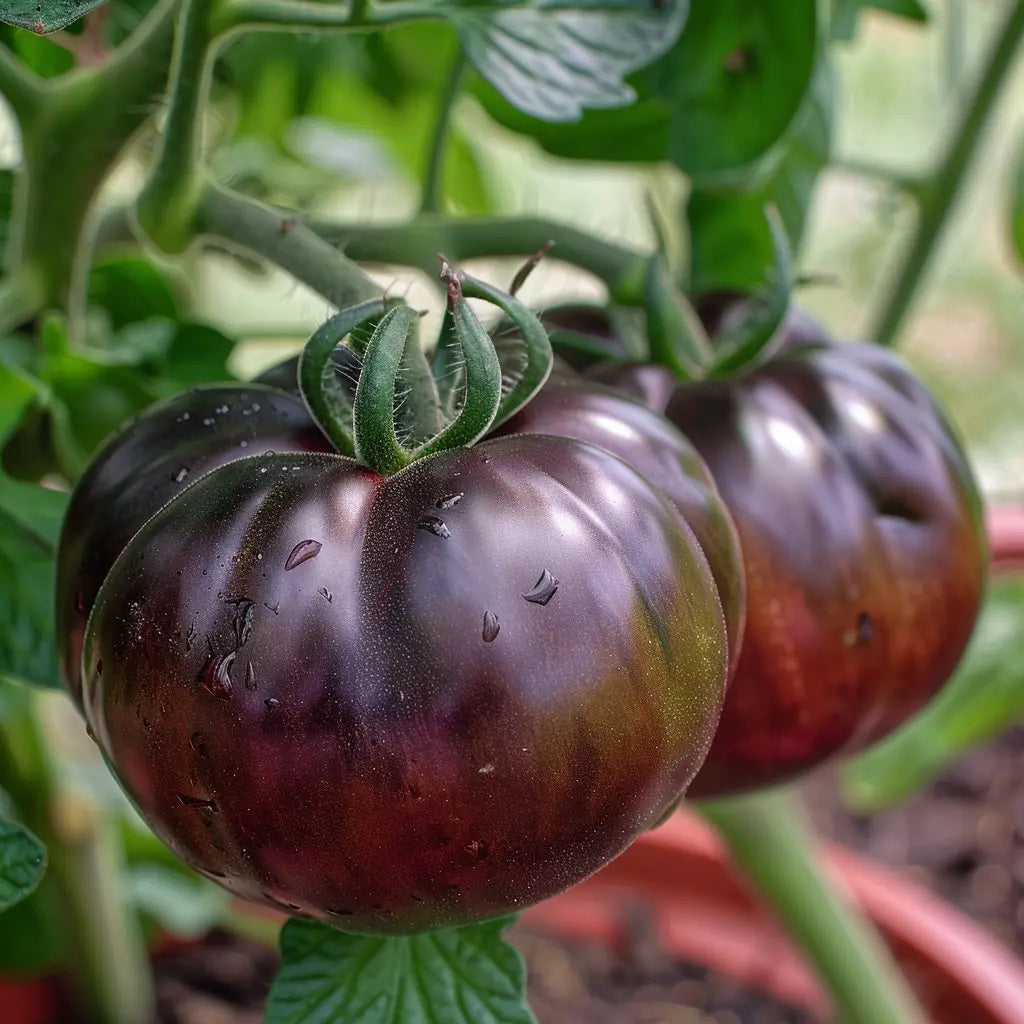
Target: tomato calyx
(401, 408)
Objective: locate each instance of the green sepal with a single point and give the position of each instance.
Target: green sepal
(327, 399)
(741, 346)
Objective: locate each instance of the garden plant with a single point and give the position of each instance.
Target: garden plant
(428, 623)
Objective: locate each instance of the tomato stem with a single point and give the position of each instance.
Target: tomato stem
(285, 241)
(939, 194)
(74, 129)
(166, 207)
(769, 838)
(417, 242)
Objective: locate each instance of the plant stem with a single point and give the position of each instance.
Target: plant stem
(292, 246)
(81, 125)
(433, 185)
(22, 89)
(941, 193)
(417, 243)
(106, 954)
(167, 204)
(769, 838)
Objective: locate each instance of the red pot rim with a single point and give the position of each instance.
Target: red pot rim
(702, 911)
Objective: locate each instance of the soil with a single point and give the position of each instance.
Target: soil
(963, 838)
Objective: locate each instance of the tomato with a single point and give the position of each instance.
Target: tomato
(144, 465)
(407, 701)
(571, 406)
(862, 541)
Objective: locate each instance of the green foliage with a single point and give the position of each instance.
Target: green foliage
(731, 244)
(27, 649)
(22, 863)
(37, 52)
(984, 698)
(30, 932)
(716, 102)
(846, 13)
(45, 15)
(553, 65)
(452, 976)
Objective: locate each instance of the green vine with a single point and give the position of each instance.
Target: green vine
(939, 194)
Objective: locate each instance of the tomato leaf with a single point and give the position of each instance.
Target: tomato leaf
(16, 395)
(846, 13)
(27, 648)
(38, 510)
(715, 102)
(455, 975)
(45, 15)
(984, 697)
(22, 863)
(731, 245)
(553, 64)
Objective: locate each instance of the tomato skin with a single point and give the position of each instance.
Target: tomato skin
(572, 406)
(322, 699)
(146, 463)
(863, 545)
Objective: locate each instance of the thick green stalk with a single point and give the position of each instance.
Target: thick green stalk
(22, 88)
(79, 128)
(417, 243)
(167, 205)
(770, 840)
(263, 231)
(940, 195)
(106, 955)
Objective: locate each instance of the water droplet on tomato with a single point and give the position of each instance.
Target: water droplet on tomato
(198, 801)
(242, 622)
(491, 627)
(99, 667)
(190, 636)
(543, 590)
(326, 594)
(450, 502)
(434, 525)
(302, 552)
(216, 675)
(196, 742)
(250, 677)
(272, 703)
(181, 474)
(208, 421)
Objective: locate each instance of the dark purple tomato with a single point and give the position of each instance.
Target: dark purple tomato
(405, 702)
(572, 406)
(862, 542)
(151, 459)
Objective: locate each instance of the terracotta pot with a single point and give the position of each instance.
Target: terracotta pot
(30, 1000)
(702, 911)
(1006, 536)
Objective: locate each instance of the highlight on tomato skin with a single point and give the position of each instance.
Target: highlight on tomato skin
(863, 544)
(401, 702)
(569, 405)
(155, 456)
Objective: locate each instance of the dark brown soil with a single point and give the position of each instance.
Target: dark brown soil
(962, 838)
